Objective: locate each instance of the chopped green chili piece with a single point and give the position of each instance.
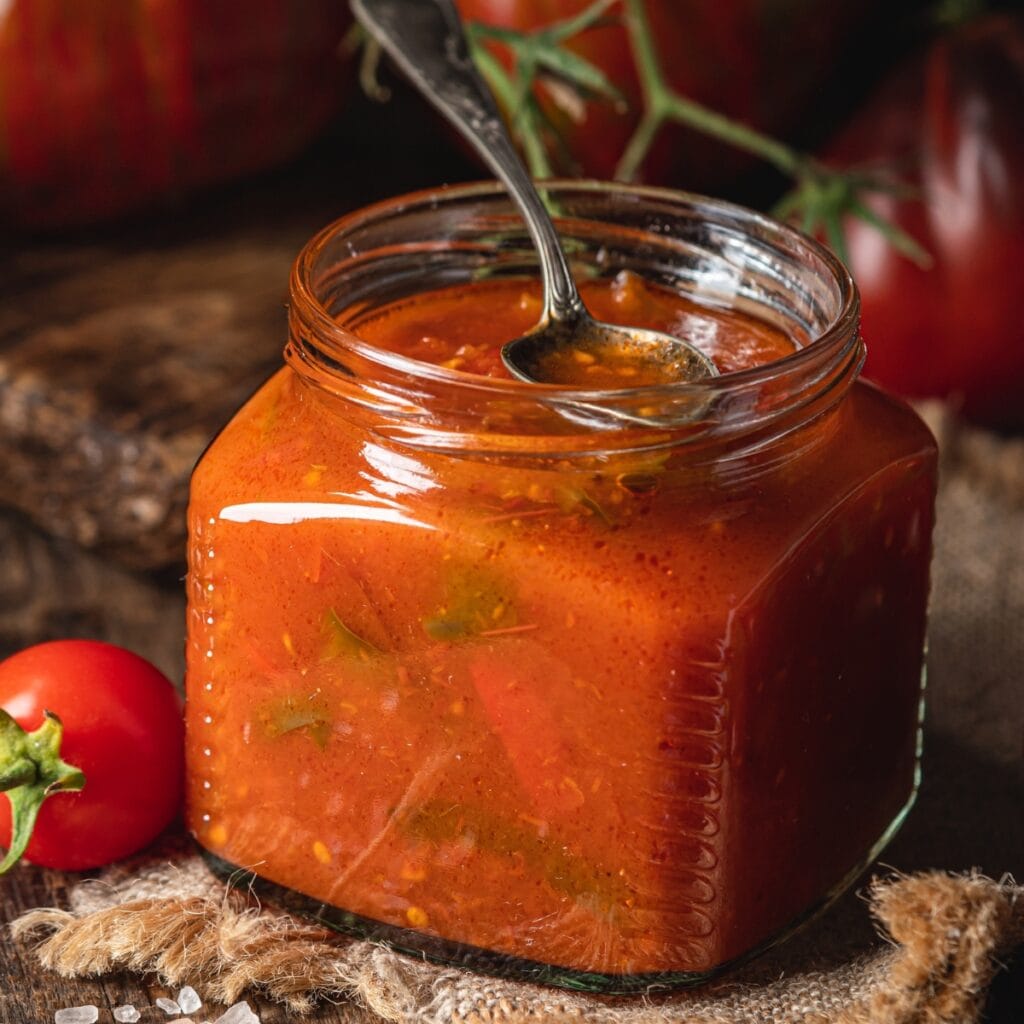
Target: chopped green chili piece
(298, 713)
(440, 822)
(472, 603)
(342, 641)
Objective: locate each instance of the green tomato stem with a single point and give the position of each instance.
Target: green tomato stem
(517, 104)
(662, 104)
(738, 135)
(19, 773)
(638, 146)
(31, 769)
(587, 18)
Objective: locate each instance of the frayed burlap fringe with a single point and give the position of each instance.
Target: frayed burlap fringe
(946, 933)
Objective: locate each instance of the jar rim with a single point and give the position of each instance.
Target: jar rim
(842, 327)
(731, 254)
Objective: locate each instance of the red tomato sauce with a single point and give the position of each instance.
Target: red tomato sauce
(621, 720)
(464, 329)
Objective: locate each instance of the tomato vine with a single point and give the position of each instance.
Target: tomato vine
(821, 196)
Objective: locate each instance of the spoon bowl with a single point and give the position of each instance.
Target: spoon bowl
(583, 352)
(568, 346)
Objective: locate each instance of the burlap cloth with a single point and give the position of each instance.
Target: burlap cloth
(915, 945)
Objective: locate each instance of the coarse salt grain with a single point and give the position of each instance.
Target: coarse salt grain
(126, 1014)
(77, 1015)
(188, 1000)
(240, 1013)
(169, 1006)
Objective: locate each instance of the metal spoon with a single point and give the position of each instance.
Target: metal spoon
(426, 40)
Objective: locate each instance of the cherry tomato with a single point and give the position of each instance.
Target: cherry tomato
(122, 730)
(949, 123)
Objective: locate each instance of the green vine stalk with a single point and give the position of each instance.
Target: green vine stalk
(820, 198)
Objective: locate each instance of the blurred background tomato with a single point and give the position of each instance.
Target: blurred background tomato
(950, 123)
(109, 105)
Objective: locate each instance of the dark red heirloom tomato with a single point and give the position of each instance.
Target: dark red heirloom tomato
(950, 123)
(122, 730)
(107, 105)
(761, 61)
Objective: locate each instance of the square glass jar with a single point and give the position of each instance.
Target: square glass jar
(601, 689)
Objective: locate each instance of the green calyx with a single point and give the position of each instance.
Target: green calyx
(31, 769)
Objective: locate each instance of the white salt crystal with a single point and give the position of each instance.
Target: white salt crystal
(126, 1014)
(77, 1015)
(188, 1000)
(238, 1014)
(169, 1006)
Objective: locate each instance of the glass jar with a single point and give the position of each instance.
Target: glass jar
(601, 689)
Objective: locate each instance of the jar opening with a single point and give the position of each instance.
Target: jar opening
(715, 253)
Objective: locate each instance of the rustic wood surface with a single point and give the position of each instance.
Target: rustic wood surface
(50, 589)
(117, 368)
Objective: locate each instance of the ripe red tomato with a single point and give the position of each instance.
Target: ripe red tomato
(108, 105)
(950, 123)
(122, 728)
(761, 61)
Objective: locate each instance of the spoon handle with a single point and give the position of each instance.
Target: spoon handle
(426, 40)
